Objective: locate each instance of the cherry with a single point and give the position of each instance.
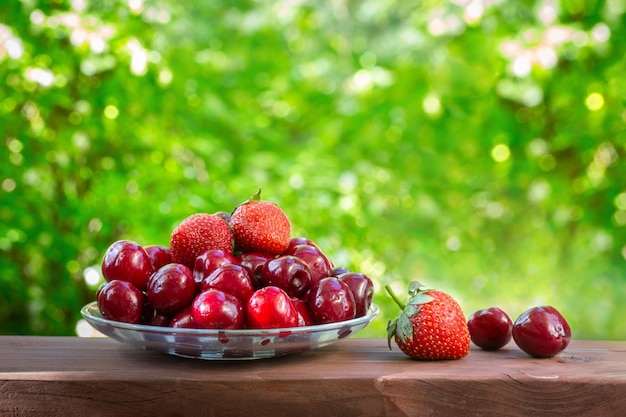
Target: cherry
(100, 288)
(542, 332)
(127, 261)
(490, 328)
(171, 288)
(159, 256)
(331, 301)
(183, 319)
(215, 309)
(121, 301)
(338, 270)
(304, 316)
(209, 261)
(362, 288)
(318, 263)
(253, 262)
(295, 241)
(151, 317)
(232, 279)
(271, 308)
(289, 273)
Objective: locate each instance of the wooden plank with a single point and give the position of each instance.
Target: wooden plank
(357, 377)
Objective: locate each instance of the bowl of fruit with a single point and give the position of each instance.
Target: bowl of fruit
(229, 287)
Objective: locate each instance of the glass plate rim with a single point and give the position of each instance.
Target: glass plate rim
(90, 317)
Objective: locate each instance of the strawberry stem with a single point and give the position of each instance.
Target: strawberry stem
(395, 297)
(256, 196)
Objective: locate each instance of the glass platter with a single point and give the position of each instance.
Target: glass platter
(212, 344)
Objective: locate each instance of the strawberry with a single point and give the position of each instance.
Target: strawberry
(431, 326)
(198, 233)
(260, 226)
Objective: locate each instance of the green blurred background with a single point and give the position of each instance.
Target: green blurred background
(475, 145)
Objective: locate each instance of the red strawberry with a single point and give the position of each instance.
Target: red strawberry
(260, 226)
(198, 233)
(431, 326)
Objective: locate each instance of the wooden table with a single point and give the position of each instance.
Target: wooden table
(68, 376)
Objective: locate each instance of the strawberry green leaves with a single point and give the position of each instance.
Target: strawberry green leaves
(402, 325)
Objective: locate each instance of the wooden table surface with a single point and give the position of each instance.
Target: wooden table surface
(70, 376)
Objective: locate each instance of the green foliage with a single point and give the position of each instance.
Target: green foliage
(477, 147)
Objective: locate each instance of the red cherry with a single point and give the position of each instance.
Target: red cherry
(254, 262)
(127, 261)
(490, 328)
(209, 261)
(295, 241)
(121, 301)
(159, 256)
(171, 288)
(542, 332)
(290, 273)
(151, 317)
(338, 270)
(232, 279)
(100, 288)
(215, 309)
(362, 288)
(331, 301)
(319, 265)
(304, 316)
(183, 319)
(271, 308)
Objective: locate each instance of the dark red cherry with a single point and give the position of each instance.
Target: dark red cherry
(232, 279)
(171, 288)
(215, 309)
(319, 265)
(331, 301)
(121, 301)
(542, 332)
(209, 261)
(183, 319)
(490, 328)
(338, 270)
(151, 317)
(304, 316)
(362, 288)
(289, 273)
(254, 262)
(159, 256)
(127, 261)
(100, 288)
(295, 241)
(271, 308)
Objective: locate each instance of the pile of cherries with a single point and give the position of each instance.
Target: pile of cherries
(300, 287)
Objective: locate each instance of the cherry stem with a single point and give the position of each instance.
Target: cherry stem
(395, 297)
